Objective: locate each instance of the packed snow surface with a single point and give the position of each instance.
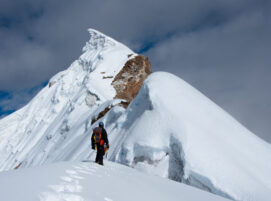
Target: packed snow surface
(87, 181)
(174, 131)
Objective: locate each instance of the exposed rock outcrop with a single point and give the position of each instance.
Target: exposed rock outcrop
(129, 80)
(17, 167)
(107, 109)
(51, 83)
(107, 77)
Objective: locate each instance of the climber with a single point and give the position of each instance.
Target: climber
(99, 142)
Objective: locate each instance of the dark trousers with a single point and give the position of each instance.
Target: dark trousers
(100, 154)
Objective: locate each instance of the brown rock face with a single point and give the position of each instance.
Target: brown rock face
(129, 80)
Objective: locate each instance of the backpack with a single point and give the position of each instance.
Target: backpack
(97, 135)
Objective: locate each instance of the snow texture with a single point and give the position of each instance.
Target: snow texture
(170, 129)
(87, 181)
(54, 126)
(174, 131)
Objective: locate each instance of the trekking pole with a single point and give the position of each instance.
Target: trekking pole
(106, 152)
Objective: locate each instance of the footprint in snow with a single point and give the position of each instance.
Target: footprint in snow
(71, 172)
(65, 191)
(67, 179)
(60, 197)
(77, 177)
(107, 199)
(67, 187)
(86, 169)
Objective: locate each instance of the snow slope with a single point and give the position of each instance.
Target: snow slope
(68, 181)
(172, 130)
(54, 126)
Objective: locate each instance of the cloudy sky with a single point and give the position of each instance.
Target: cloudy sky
(221, 47)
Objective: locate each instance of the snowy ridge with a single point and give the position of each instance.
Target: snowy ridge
(55, 124)
(174, 131)
(170, 129)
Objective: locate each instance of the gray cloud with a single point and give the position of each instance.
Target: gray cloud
(221, 47)
(53, 32)
(229, 63)
(12, 101)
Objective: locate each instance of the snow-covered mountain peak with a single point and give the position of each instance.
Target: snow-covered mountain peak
(169, 129)
(98, 40)
(95, 69)
(62, 112)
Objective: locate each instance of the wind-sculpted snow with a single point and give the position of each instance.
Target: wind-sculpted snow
(87, 181)
(172, 130)
(169, 129)
(55, 125)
